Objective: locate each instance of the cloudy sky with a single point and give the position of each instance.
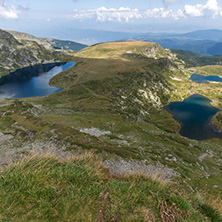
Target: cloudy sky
(43, 16)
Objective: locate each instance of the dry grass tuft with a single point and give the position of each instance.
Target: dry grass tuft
(171, 213)
(137, 176)
(215, 203)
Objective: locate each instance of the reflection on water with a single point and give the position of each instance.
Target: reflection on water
(194, 114)
(35, 86)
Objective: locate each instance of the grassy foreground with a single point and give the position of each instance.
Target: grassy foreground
(44, 188)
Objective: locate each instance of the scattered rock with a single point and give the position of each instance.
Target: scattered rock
(95, 132)
(120, 167)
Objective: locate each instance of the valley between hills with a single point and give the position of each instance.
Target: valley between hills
(112, 105)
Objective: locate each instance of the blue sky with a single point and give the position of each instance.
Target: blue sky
(43, 16)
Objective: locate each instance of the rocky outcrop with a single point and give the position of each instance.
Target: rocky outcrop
(25, 37)
(15, 54)
(7, 38)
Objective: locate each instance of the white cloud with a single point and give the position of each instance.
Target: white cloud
(11, 12)
(212, 5)
(211, 9)
(104, 14)
(163, 13)
(193, 11)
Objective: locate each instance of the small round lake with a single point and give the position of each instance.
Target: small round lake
(194, 115)
(32, 81)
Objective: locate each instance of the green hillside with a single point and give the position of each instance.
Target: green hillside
(112, 104)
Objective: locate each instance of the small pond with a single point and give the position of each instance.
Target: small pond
(32, 81)
(194, 115)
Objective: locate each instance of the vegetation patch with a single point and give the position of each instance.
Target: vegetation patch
(46, 188)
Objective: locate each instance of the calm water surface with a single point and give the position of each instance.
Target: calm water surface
(205, 79)
(194, 115)
(37, 85)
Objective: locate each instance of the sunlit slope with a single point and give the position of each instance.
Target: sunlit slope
(145, 69)
(117, 49)
(111, 60)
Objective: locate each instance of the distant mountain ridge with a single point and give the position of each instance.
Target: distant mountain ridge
(89, 36)
(205, 42)
(211, 34)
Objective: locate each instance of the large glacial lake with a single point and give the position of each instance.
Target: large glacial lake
(194, 115)
(32, 81)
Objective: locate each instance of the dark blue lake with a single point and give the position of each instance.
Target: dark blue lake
(32, 81)
(194, 115)
(204, 79)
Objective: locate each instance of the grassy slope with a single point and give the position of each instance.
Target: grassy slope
(121, 87)
(44, 188)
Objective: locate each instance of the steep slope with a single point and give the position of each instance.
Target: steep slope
(15, 54)
(23, 37)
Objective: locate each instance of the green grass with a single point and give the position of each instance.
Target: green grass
(44, 188)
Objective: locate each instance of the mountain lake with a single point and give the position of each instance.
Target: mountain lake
(32, 81)
(194, 115)
(205, 79)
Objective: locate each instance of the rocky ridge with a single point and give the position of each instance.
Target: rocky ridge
(15, 54)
